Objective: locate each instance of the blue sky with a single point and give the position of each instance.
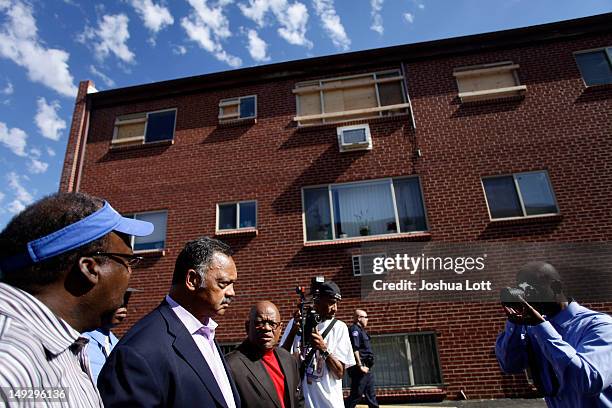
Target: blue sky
(48, 46)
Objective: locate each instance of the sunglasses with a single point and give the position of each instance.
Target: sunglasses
(129, 260)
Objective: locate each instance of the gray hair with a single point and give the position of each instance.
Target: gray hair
(198, 255)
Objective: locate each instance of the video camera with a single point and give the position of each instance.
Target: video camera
(512, 296)
(309, 316)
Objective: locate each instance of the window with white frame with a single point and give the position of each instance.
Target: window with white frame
(237, 216)
(595, 66)
(520, 195)
(488, 81)
(377, 207)
(145, 127)
(157, 239)
(349, 98)
(405, 359)
(232, 109)
(356, 137)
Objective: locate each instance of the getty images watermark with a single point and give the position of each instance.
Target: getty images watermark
(412, 264)
(436, 271)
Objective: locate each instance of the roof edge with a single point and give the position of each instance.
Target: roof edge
(358, 59)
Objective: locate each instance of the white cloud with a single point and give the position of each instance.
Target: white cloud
(105, 78)
(50, 152)
(332, 24)
(8, 89)
(377, 21)
(257, 9)
(36, 166)
(154, 16)
(49, 123)
(409, 17)
(22, 196)
(293, 24)
(110, 37)
(292, 18)
(179, 50)
(208, 26)
(257, 47)
(19, 42)
(1, 196)
(421, 6)
(15, 207)
(14, 139)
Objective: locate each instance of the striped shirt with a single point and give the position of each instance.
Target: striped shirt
(41, 351)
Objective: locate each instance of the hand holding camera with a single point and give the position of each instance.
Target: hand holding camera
(317, 341)
(517, 309)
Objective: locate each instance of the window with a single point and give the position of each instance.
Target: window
(377, 207)
(157, 240)
(488, 81)
(348, 98)
(402, 359)
(145, 127)
(235, 216)
(405, 360)
(519, 195)
(354, 138)
(233, 109)
(595, 66)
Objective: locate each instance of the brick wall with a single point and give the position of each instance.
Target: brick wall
(558, 126)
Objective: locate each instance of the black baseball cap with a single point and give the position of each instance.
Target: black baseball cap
(330, 289)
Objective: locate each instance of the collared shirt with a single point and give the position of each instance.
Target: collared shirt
(326, 391)
(40, 350)
(101, 343)
(360, 340)
(204, 335)
(572, 353)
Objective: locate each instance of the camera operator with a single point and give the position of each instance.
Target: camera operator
(567, 347)
(362, 380)
(325, 352)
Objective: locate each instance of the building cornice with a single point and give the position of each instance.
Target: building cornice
(329, 64)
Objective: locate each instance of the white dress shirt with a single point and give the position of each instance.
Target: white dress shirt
(204, 335)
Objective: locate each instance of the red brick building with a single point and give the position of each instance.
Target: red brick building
(496, 137)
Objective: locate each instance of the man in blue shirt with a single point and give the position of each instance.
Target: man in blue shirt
(102, 340)
(567, 346)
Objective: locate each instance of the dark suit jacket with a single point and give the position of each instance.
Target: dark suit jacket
(157, 364)
(253, 381)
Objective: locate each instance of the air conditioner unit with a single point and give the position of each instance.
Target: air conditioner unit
(364, 264)
(355, 137)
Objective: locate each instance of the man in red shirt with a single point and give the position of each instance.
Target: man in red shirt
(266, 375)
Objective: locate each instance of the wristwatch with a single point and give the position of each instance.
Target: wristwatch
(325, 354)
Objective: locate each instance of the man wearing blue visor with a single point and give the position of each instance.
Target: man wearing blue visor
(65, 263)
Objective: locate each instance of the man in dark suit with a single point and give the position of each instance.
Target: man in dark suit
(170, 358)
(266, 376)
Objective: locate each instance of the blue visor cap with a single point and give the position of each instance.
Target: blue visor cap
(73, 236)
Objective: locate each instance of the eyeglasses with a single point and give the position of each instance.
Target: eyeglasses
(261, 324)
(129, 260)
(362, 317)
